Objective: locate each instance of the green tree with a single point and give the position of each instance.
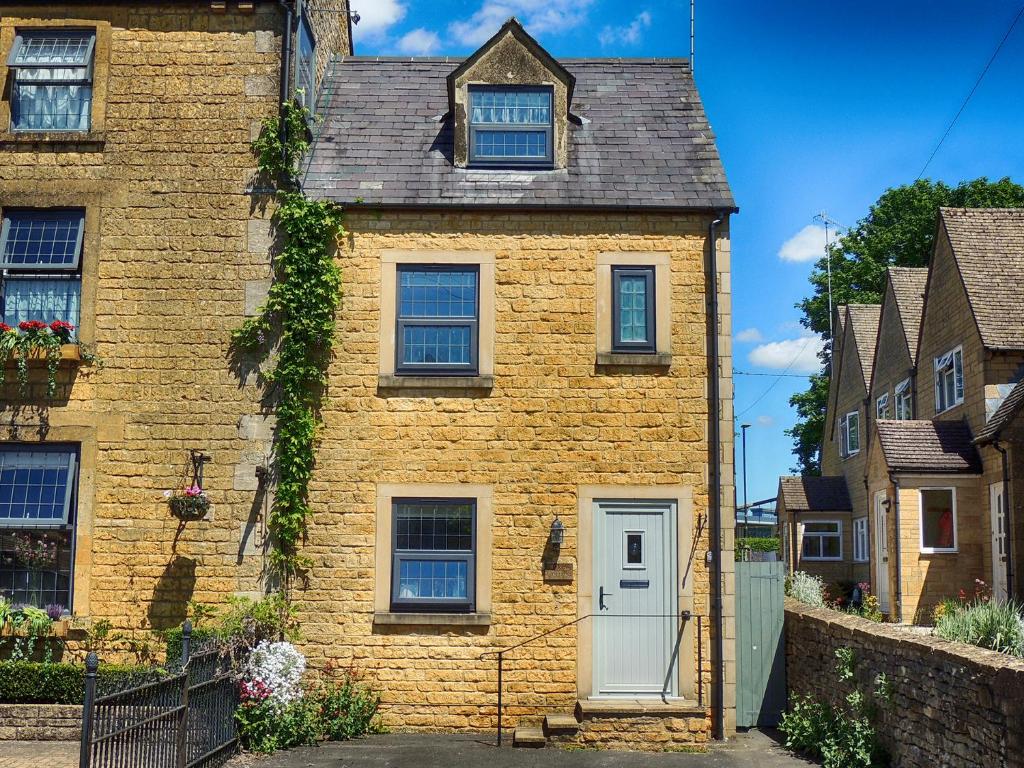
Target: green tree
(898, 231)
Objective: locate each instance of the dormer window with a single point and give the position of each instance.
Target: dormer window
(510, 126)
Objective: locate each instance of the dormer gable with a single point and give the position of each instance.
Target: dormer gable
(509, 103)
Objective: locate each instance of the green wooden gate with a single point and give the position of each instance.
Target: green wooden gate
(760, 645)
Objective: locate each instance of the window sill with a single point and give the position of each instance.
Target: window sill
(432, 619)
(821, 560)
(69, 353)
(928, 551)
(74, 140)
(633, 360)
(435, 382)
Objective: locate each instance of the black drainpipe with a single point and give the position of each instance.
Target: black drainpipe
(715, 478)
(898, 598)
(286, 71)
(1010, 588)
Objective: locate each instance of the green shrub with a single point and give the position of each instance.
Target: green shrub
(347, 710)
(31, 682)
(806, 588)
(996, 625)
(757, 544)
(173, 638)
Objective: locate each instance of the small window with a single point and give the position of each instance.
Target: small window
(37, 515)
(438, 319)
(40, 259)
(882, 406)
(938, 520)
(904, 403)
(860, 539)
(634, 555)
(305, 68)
(849, 434)
(510, 126)
(633, 309)
(949, 380)
(434, 555)
(823, 541)
(51, 80)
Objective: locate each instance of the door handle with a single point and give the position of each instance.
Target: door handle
(601, 595)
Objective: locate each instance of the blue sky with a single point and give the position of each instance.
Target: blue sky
(816, 106)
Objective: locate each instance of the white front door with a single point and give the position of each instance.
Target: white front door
(635, 625)
(999, 541)
(881, 585)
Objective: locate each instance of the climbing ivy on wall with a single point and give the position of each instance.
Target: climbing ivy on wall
(296, 326)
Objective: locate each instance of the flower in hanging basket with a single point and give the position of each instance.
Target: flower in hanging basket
(190, 504)
(32, 326)
(62, 331)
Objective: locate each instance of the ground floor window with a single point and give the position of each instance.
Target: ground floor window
(823, 540)
(938, 520)
(38, 486)
(860, 540)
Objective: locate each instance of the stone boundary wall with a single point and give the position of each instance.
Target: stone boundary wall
(953, 705)
(40, 722)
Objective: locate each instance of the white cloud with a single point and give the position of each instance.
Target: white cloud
(749, 335)
(806, 245)
(538, 16)
(627, 35)
(419, 42)
(794, 355)
(376, 17)
(765, 421)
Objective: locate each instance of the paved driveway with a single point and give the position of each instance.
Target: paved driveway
(750, 750)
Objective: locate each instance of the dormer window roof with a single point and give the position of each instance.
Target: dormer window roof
(510, 126)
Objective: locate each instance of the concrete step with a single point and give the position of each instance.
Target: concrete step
(561, 725)
(528, 737)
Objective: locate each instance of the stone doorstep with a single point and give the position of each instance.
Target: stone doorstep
(528, 737)
(568, 728)
(622, 708)
(561, 725)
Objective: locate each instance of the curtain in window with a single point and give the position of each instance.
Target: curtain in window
(51, 105)
(45, 300)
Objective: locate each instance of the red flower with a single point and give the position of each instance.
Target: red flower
(32, 325)
(60, 325)
(5, 328)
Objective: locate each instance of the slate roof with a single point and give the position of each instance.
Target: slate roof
(908, 285)
(988, 245)
(940, 447)
(1003, 415)
(864, 324)
(644, 141)
(814, 494)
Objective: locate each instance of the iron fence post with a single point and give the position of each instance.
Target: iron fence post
(92, 663)
(182, 741)
(501, 659)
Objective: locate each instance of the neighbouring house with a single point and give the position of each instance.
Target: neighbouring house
(128, 212)
(532, 249)
(814, 515)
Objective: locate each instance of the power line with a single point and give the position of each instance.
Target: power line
(778, 377)
(788, 375)
(975, 88)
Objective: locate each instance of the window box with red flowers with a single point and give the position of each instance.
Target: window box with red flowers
(34, 341)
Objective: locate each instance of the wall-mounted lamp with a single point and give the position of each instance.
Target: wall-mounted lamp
(557, 535)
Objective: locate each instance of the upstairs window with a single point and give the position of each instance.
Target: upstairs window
(510, 126)
(438, 320)
(904, 402)
(305, 68)
(849, 434)
(633, 309)
(52, 80)
(40, 265)
(882, 406)
(949, 380)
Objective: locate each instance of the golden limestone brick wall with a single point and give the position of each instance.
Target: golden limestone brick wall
(168, 251)
(551, 423)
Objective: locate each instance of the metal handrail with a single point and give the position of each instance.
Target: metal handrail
(684, 615)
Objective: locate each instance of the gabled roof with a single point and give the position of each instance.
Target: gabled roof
(814, 494)
(642, 141)
(988, 246)
(1003, 415)
(863, 322)
(908, 286)
(928, 447)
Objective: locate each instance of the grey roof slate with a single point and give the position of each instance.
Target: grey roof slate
(988, 245)
(643, 140)
(814, 494)
(908, 286)
(943, 447)
(1003, 415)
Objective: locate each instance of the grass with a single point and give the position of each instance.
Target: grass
(996, 625)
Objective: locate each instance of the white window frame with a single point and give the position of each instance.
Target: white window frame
(949, 367)
(844, 434)
(861, 541)
(920, 522)
(882, 406)
(904, 408)
(804, 535)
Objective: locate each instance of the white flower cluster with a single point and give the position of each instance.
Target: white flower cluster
(279, 667)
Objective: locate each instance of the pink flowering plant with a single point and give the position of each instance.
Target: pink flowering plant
(34, 336)
(189, 504)
(36, 554)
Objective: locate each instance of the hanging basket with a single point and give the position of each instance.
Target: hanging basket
(186, 507)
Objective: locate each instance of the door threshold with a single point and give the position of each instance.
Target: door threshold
(633, 705)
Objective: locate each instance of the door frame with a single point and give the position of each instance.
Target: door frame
(878, 499)
(682, 497)
(999, 487)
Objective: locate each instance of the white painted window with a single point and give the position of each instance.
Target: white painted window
(949, 380)
(904, 404)
(849, 434)
(860, 540)
(882, 406)
(938, 520)
(822, 540)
